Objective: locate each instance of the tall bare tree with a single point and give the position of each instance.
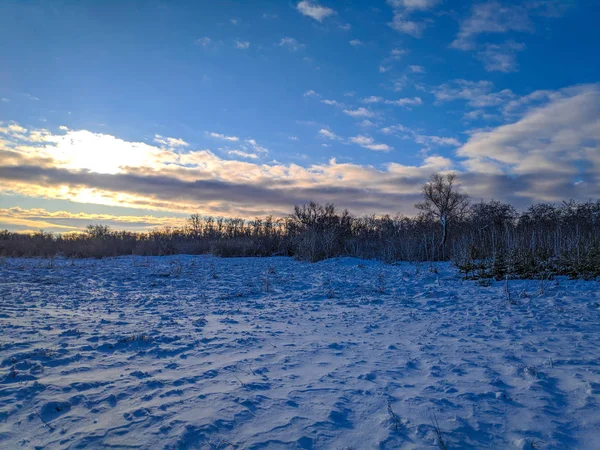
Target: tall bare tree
(443, 201)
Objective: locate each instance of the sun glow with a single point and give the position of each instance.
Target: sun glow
(100, 153)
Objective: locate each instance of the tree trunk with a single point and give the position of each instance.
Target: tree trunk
(444, 222)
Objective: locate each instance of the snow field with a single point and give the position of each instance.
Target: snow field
(256, 353)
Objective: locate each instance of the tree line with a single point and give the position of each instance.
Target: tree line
(483, 239)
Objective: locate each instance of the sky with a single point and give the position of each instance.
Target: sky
(136, 114)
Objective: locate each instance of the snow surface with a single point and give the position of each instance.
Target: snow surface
(202, 352)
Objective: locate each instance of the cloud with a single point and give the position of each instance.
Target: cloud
(291, 44)
(372, 99)
(345, 27)
(492, 17)
(405, 101)
(436, 140)
(428, 141)
(332, 102)
(400, 83)
(368, 142)
(548, 151)
(224, 137)
(557, 143)
(414, 5)
(414, 29)
(314, 10)
(328, 134)
(478, 94)
(256, 147)
(169, 141)
(397, 53)
(356, 43)
(311, 93)
(395, 128)
(242, 154)
(500, 57)
(359, 112)
(403, 9)
(367, 123)
(203, 41)
(242, 45)
(417, 69)
(5, 100)
(163, 179)
(63, 221)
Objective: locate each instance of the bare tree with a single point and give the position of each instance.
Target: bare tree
(194, 225)
(443, 201)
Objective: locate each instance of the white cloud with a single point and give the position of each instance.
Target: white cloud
(168, 141)
(427, 141)
(242, 45)
(328, 134)
(291, 44)
(561, 138)
(5, 100)
(345, 26)
(372, 99)
(436, 140)
(359, 112)
(314, 10)
(384, 69)
(395, 128)
(551, 151)
(224, 137)
(368, 142)
(356, 43)
(417, 69)
(203, 41)
(492, 17)
(131, 174)
(404, 9)
(293, 138)
(234, 21)
(405, 101)
(256, 147)
(421, 5)
(412, 28)
(400, 83)
(500, 57)
(311, 93)
(396, 53)
(242, 154)
(478, 94)
(495, 17)
(332, 102)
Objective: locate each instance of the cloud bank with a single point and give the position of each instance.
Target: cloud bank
(547, 150)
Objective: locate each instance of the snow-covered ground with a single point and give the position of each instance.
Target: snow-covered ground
(202, 352)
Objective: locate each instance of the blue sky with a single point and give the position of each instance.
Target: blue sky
(245, 108)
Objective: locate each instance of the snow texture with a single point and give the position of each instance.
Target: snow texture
(256, 353)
